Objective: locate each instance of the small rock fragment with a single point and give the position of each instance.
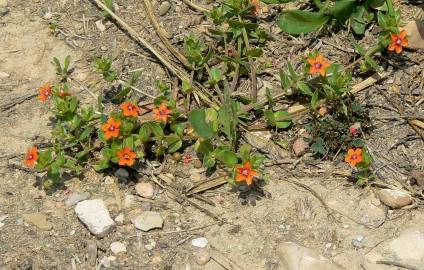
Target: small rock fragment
(414, 30)
(76, 197)
(91, 252)
(146, 206)
(418, 176)
(148, 220)
(357, 241)
(118, 247)
(300, 146)
(2, 218)
(200, 242)
(95, 216)
(129, 201)
(202, 257)
(100, 26)
(4, 75)
(47, 16)
(39, 220)
(164, 8)
(120, 218)
(296, 257)
(145, 190)
(3, 11)
(394, 198)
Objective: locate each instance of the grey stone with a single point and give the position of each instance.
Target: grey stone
(148, 220)
(164, 8)
(394, 198)
(296, 257)
(95, 216)
(357, 241)
(100, 26)
(76, 197)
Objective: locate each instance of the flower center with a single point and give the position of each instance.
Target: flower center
(162, 113)
(245, 172)
(46, 92)
(30, 157)
(126, 156)
(354, 156)
(130, 107)
(398, 41)
(111, 128)
(318, 65)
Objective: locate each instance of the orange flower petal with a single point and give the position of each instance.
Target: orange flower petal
(402, 34)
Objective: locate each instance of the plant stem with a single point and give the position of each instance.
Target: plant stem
(371, 51)
(254, 86)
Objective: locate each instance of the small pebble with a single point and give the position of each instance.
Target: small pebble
(200, 242)
(145, 190)
(48, 16)
(148, 220)
(164, 8)
(122, 174)
(100, 26)
(120, 218)
(357, 241)
(202, 257)
(118, 247)
(76, 197)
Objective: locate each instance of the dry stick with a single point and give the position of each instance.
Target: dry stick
(162, 34)
(181, 74)
(398, 264)
(195, 6)
(136, 89)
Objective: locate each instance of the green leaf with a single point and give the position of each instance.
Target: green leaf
(296, 22)
(269, 116)
(215, 76)
(304, 88)
(197, 119)
(209, 161)
(282, 119)
(86, 133)
(276, 1)
(314, 99)
(66, 65)
(318, 146)
(229, 158)
(174, 143)
(245, 152)
(342, 9)
(257, 160)
(44, 159)
(358, 22)
(102, 165)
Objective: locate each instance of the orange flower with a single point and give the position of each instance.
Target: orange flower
(31, 157)
(45, 91)
(398, 42)
(126, 157)
(245, 173)
(256, 7)
(162, 113)
(111, 128)
(130, 109)
(354, 156)
(318, 65)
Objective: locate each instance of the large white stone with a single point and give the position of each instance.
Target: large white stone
(296, 257)
(409, 246)
(95, 216)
